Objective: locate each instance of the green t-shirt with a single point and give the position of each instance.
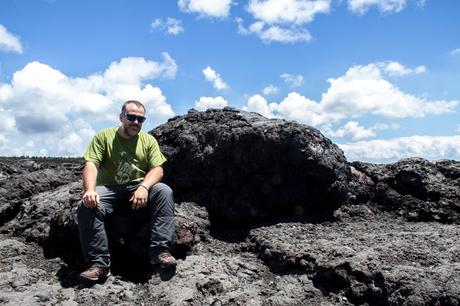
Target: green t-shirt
(121, 160)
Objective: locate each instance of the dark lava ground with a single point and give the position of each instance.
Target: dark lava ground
(381, 260)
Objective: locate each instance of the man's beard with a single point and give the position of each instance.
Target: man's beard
(131, 131)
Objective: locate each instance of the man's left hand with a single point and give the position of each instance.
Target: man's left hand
(139, 198)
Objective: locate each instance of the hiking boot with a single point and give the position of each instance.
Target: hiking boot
(95, 273)
(165, 260)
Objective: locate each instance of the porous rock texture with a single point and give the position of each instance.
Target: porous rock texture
(246, 168)
(413, 188)
(389, 236)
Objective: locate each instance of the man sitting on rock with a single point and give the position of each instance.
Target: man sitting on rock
(123, 170)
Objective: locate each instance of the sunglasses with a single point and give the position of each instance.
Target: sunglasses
(133, 118)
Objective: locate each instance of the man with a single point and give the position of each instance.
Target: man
(123, 170)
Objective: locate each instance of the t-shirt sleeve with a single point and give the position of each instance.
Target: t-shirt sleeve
(154, 155)
(96, 149)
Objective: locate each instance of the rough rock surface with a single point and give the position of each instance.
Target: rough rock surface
(413, 188)
(391, 236)
(379, 262)
(246, 168)
(21, 180)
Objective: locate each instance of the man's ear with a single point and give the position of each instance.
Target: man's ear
(120, 117)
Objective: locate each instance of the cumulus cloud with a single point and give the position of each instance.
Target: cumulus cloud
(385, 6)
(390, 150)
(9, 42)
(287, 11)
(292, 80)
(351, 130)
(258, 104)
(269, 33)
(207, 8)
(170, 26)
(397, 69)
(361, 91)
(45, 104)
(210, 102)
(7, 121)
(214, 77)
(282, 20)
(293, 107)
(134, 69)
(270, 90)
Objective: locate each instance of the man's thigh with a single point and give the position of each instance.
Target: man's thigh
(114, 196)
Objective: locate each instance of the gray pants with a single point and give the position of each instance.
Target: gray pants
(93, 238)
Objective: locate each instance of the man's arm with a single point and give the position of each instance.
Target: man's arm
(90, 197)
(139, 198)
(153, 176)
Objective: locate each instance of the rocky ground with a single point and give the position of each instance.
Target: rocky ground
(390, 238)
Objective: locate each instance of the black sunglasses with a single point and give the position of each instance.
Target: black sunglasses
(133, 118)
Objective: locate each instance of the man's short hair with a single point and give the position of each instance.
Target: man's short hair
(137, 103)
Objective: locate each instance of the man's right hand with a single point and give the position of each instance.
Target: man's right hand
(90, 199)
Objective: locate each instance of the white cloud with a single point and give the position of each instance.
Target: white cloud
(282, 20)
(63, 110)
(299, 108)
(351, 130)
(210, 102)
(287, 11)
(214, 77)
(361, 91)
(9, 42)
(270, 90)
(390, 150)
(293, 107)
(455, 52)
(385, 6)
(397, 69)
(171, 26)
(7, 121)
(275, 33)
(132, 70)
(258, 104)
(208, 8)
(292, 80)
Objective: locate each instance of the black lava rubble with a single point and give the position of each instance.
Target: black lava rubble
(269, 212)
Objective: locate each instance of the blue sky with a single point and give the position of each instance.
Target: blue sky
(378, 77)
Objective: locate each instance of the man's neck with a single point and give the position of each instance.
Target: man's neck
(121, 132)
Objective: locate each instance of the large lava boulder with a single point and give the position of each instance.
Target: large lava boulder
(246, 168)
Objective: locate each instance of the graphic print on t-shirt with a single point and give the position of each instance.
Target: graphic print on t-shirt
(125, 169)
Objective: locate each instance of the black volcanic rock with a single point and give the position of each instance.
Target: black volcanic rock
(246, 168)
(22, 180)
(384, 262)
(414, 188)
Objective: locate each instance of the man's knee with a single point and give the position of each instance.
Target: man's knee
(162, 191)
(84, 213)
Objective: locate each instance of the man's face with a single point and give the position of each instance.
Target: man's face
(131, 128)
